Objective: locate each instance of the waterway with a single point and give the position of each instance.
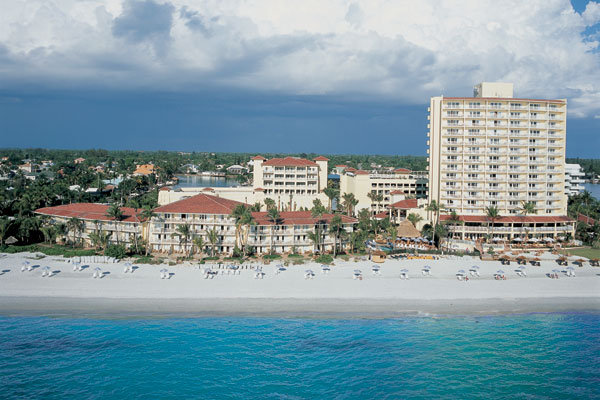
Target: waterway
(205, 181)
(594, 189)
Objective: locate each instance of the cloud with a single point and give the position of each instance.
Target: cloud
(401, 51)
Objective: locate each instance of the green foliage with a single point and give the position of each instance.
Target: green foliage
(272, 257)
(324, 259)
(116, 251)
(47, 250)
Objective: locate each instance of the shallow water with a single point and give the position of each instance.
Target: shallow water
(535, 356)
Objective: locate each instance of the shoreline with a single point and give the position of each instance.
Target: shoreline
(287, 308)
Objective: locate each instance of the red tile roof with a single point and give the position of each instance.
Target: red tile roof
(341, 166)
(361, 172)
(511, 219)
(381, 215)
(165, 188)
(298, 218)
(405, 204)
(259, 190)
(200, 204)
(402, 171)
(88, 211)
(585, 219)
(396, 192)
(290, 162)
(321, 158)
(208, 189)
(350, 169)
(258, 158)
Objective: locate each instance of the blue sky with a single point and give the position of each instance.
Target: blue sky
(330, 77)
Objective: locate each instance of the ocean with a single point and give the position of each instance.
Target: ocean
(531, 356)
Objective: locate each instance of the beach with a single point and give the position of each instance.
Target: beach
(288, 292)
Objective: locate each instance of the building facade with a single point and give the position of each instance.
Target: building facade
(495, 150)
(574, 178)
(293, 183)
(94, 220)
(385, 183)
(205, 212)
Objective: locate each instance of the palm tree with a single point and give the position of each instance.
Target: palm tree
(184, 233)
(349, 202)
(213, 238)
(436, 209)
(317, 212)
(76, 226)
(269, 203)
(238, 214)
(376, 198)
(199, 243)
(335, 227)
(49, 233)
(527, 207)
(331, 194)
(115, 212)
(147, 214)
(315, 237)
(414, 219)
(274, 217)
(493, 214)
(453, 220)
(5, 225)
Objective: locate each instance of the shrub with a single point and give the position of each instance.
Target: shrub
(294, 255)
(324, 259)
(272, 257)
(115, 250)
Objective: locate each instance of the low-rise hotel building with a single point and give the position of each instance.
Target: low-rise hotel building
(385, 183)
(204, 212)
(293, 183)
(95, 219)
(574, 179)
(495, 150)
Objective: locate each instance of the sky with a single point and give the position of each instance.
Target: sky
(322, 76)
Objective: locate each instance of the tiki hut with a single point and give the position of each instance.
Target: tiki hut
(579, 262)
(408, 230)
(505, 259)
(562, 260)
(378, 256)
(595, 262)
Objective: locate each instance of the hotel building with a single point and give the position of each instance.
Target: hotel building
(573, 179)
(385, 183)
(205, 212)
(495, 150)
(293, 183)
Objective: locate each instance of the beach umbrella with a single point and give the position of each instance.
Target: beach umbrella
(570, 268)
(427, 268)
(499, 271)
(517, 240)
(549, 239)
(404, 270)
(556, 270)
(357, 271)
(521, 267)
(310, 271)
(164, 270)
(97, 269)
(461, 271)
(474, 267)
(533, 240)
(497, 239)
(45, 270)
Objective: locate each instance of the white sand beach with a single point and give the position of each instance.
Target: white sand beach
(187, 289)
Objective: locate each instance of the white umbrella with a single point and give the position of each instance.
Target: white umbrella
(549, 239)
(461, 272)
(556, 270)
(517, 240)
(404, 270)
(533, 240)
(45, 270)
(499, 271)
(497, 239)
(474, 267)
(570, 268)
(427, 268)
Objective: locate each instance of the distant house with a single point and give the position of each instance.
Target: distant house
(236, 170)
(79, 160)
(27, 168)
(144, 170)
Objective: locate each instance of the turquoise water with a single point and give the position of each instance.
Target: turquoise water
(535, 356)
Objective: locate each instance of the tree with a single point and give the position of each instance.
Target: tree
(414, 219)
(275, 218)
(76, 226)
(184, 233)
(493, 214)
(199, 243)
(349, 202)
(115, 212)
(331, 194)
(238, 214)
(528, 207)
(269, 203)
(453, 220)
(376, 198)
(317, 212)
(213, 238)
(147, 214)
(335, 227)
(436, 209)
(5, 225)
(99, 239)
